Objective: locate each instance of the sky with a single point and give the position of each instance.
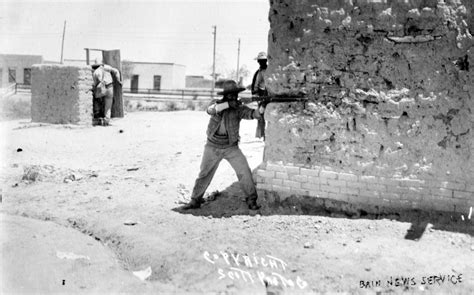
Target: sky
(147, 31)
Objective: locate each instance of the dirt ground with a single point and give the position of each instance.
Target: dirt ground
(99, 203)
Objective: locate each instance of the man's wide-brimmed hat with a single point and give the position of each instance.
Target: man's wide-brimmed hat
(261, 55)
(95, 66)
(230, 86)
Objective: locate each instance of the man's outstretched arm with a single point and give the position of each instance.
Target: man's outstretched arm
(114, 71)
(215, 107)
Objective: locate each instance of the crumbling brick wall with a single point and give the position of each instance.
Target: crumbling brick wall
(389, 119)
(61, 94)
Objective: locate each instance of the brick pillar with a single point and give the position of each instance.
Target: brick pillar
(391, 100)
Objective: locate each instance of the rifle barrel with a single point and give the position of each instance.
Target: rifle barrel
(280, 98)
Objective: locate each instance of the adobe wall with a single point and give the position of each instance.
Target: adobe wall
(390, 119)
(61, 94)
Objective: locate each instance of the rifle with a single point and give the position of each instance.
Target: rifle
(266, 99)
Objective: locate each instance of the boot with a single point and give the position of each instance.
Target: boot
(193, 204)
(252, 203)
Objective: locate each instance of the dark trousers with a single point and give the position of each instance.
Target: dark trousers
(102, 106)
(210, 162)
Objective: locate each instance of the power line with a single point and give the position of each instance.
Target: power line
(168, 41)
(32, 33)
(229, 33)
(150, 39)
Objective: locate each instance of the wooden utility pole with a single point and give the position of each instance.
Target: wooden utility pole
(214, 63)
(62, 43)
(238, 59)
(87, 56)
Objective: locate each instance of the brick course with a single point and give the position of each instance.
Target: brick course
(381, 191)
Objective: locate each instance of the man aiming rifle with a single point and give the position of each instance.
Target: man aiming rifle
(222, 143)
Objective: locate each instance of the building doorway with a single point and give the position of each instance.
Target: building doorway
(11, 75)
(134, 84)
(156, 82)
(27, 76)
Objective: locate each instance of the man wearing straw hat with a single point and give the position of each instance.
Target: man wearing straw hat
(222, 143)
(258, 88)
(258, 82)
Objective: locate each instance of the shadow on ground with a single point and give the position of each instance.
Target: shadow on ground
(226, 203)
(231, 202)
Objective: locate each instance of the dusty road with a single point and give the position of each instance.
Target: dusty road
(111, 195)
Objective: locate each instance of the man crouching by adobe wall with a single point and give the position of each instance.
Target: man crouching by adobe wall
(222, 143)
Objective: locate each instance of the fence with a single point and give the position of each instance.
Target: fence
(142, 93)
(8, 91)
(22, 87)
(174, 94)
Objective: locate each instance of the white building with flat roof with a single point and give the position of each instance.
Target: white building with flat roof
(145, 76)
(16, 68)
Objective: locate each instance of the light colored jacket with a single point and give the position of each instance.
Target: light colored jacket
(104, 73)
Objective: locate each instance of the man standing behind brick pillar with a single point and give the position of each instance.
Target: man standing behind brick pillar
(259, 89)
(102, 103)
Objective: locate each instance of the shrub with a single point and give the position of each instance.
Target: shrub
(152, 108)
(129, 106)
(170, 106)
(202, 105)
(190, 106)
